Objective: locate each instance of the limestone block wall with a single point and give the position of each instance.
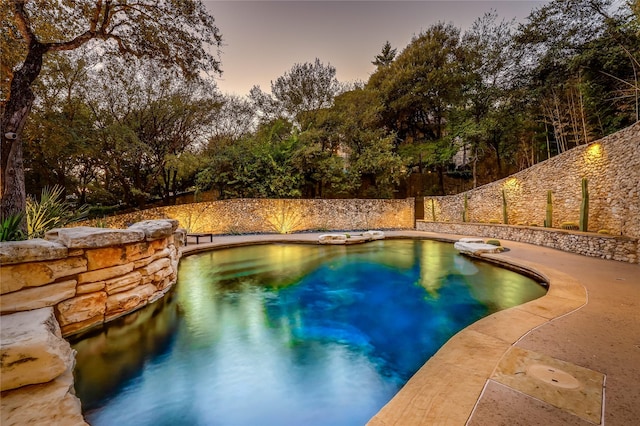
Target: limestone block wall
(610, 247)
(611, 166)
(282, 216)
(90, 275)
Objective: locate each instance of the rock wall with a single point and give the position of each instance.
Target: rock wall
(283, 216)
(74, 279)
(90, 275)
(610, 165)
(619, 248)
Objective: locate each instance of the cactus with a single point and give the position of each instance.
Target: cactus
(433, 210)
(548, 222)
(466, 208)
(584, 207)
(505, 217)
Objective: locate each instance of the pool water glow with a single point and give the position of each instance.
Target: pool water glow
(285, 334)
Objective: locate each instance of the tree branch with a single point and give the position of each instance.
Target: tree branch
(22, 20)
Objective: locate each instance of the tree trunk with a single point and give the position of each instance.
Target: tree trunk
(14, 116)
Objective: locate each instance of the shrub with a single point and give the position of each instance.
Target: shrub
(494, 243)
(51, 212)
(10, 228)
(571, 226)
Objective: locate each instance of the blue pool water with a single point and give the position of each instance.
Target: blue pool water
(288, 334)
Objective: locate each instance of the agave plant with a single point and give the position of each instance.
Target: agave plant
(52, 211)
(10, 228)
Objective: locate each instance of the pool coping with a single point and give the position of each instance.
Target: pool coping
(447, 388)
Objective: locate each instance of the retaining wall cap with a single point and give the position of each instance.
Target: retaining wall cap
(31, 250)
(87, 237)
(156, 229)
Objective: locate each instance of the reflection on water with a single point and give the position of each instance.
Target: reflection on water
(288, 334)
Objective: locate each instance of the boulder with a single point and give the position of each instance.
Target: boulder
(121, 303)
(156, 229)
(476, 248)
(82, 308)
(31, 250)
(52, 403)
(17, 276)
(37, 297)
(332, 239)
(87, 237)
(32, 350)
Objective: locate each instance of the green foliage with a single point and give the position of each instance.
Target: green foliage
(51, 211)
(493, 242)
(570, 226)
(10, 228)
(386, 56)
(584, 207)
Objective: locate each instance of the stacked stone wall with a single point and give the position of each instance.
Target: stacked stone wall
(90, 275)
(72, 280)
(610, 247)
(240, 216)
(610, 165)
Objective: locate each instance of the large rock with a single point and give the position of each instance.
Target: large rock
(123, 283)
(105, 273)
(53, 403)
(37, 297)
(15, 277)
(83, 308)
(31, 250)
(87, 237)
(156, 229)
(121, 303)
(32, 350)
(476, 248)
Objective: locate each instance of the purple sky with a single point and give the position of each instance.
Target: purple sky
(264, 39)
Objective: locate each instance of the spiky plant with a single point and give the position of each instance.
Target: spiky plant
(51, 211)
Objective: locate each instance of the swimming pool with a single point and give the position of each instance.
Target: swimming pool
(288, 334)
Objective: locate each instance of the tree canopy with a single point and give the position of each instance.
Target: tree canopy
(116, 122)
(176, 33)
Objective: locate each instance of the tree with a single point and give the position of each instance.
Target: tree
(582, 64)
(306, 87)
(146, 119)
(171, 32)
(386, 56)
(419, 90)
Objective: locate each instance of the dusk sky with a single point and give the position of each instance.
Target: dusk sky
(264, 39)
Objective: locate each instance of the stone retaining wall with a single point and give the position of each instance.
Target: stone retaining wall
(74, 279)
(619, 248)
(90, 275)
(242, 216)
(611, 166)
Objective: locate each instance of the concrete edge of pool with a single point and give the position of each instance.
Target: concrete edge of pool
(449, 385)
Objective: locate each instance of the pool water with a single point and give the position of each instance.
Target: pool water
(285, 334)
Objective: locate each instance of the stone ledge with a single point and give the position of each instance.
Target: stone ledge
(156, 229)
(31, 251)
(86, 237)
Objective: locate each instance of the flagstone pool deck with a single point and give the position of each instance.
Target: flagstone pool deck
(571, 357)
